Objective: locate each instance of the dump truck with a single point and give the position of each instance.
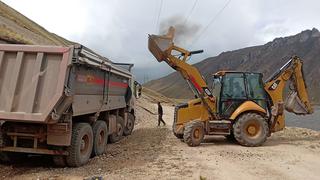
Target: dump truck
(239, 105)
(68, 102)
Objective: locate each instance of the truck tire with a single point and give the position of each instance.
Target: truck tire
(193, 133)
(115, 137)
(100, 138)
(81, 145)
(59, 161)
(251, 129)
(130, 125)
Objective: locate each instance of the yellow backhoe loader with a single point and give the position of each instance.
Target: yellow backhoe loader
(239, 105)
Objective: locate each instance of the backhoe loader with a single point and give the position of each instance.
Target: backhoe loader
(239, 105)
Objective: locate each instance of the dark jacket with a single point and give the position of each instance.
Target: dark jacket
(160, 111)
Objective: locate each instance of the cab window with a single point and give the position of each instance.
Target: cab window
(216, 89)
(233, 93)
(255, 89)
(233, 86)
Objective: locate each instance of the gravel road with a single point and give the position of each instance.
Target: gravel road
(153, 152)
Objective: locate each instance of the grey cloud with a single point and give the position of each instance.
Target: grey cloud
(118, 28)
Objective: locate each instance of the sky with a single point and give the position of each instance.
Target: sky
(118, 29)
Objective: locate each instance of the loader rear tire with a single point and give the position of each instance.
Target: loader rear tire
(115, 137)
(81, 145)
(100, 138)
(130, 125)
(251, 129)
(193, 133)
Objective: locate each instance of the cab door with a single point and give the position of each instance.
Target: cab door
(233, 93)
(256, 92)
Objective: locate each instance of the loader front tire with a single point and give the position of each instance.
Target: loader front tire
(193, 133)
(177, 135)
(81, 145)
(251, 129)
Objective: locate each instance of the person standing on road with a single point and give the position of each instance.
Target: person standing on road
(160, 113)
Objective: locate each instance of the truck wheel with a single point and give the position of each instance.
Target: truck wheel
(59, 161)
(115, 137)
(130, 125)
(100, 138)
(251, 129)
(81, 145)
(193, 133)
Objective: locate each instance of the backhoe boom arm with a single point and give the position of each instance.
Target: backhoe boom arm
(297, 101)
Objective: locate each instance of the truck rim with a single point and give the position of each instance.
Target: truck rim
(84, 144)
(102, 139)
(119, 129)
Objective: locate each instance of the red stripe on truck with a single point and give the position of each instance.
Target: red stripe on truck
(98, 81)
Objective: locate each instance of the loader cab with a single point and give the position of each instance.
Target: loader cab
(234, 88)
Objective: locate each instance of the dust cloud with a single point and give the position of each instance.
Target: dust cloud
(185, 31)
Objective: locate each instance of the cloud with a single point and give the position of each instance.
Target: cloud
(118, 29)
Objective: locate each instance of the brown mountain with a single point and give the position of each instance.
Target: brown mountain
(15, 28)
(265, 59)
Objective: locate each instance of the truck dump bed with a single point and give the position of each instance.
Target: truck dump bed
(37, 81)
(31, 80)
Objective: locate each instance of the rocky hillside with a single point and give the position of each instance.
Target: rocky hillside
(15, 28)
(265, 58)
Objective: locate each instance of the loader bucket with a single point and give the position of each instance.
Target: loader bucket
(293, 104)
(159, 44)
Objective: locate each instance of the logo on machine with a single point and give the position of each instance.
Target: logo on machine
(207, 92)
(274, 85)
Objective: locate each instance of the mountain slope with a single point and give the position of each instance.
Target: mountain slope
(15, 28)
(265, 59)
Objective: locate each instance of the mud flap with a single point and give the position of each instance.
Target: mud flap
(59, 134)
